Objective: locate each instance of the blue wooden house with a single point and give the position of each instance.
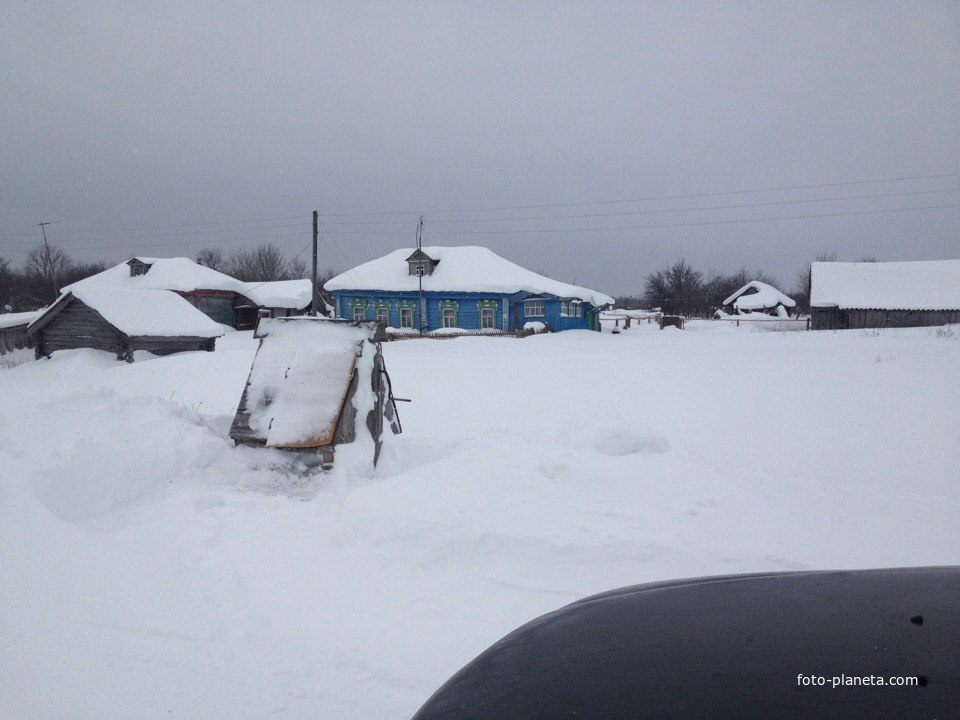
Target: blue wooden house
(465, 288)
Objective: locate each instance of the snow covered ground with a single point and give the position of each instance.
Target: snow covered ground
(148, 569)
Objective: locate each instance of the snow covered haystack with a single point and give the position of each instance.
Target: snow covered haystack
(313, 384)
(760, 297)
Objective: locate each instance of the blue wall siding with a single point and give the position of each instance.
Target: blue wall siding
(468, 311)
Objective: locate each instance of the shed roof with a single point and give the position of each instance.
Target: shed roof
(9, 320)
(765, 297)
(917, 285)
(138, 313)
(179, 273)
(295, 294)
(184, 275)
(464, 269)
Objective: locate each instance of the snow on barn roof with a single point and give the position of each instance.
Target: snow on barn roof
(139, 313)
(461, 269)
(917, 285)
(765, 297)
(295, 294)
(184, 275)
(180, 274)
(9, 320)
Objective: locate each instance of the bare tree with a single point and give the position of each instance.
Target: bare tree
(7, 286)
(802, 291)
(46, 266)
(212, 258)
(677, 288)
(298, 269)
(263, 263)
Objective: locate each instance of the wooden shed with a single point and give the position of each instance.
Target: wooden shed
(314, 384)
(122, 321)
(13, 330)
(849, 295)
(224, 299)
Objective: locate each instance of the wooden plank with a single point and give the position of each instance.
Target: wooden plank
(325, 437)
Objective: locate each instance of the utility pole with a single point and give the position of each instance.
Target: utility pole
(47, 258)
(315, 302)
(423, 305)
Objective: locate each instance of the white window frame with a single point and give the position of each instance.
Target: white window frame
(406, 317)
(488, 313)
(529, 305)
(571, 308)
(383, 310)
(452, 317)
(360, 310)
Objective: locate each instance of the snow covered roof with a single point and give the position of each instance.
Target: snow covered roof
(184, 275)
(463, 269)
(181, 274)
(918, 285)
(765, 297)
(138, 313)
(295, 294)
(9, 320)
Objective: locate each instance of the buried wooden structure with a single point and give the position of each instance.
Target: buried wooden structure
(670, 321)
(13, 331)
(313, 382)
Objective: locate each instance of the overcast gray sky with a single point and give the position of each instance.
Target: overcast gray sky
(161, 128)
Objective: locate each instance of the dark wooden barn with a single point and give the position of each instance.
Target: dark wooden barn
(884, 294)
(122, 321)
(222, 298)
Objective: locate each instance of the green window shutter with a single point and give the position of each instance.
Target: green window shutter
(446, 307)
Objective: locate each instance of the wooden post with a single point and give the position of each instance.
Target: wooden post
(315, 301)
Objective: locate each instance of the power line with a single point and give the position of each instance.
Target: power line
(526, 231)
(694, 224)
(653, 198)
(697, 209)
(562, 217)
(178, 225)
(414, 213)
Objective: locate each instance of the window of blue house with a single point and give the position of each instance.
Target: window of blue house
(534, 308)
(381, 310)
(487, 318)
(358, 309)
(571, 308)
(448, 313)
(405, 311)
(488, 314)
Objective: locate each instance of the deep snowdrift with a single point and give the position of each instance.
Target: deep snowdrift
(148, 569)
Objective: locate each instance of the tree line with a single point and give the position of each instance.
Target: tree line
(682, 289)
(37, 281)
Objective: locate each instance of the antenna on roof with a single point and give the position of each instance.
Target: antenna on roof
(423, 305)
